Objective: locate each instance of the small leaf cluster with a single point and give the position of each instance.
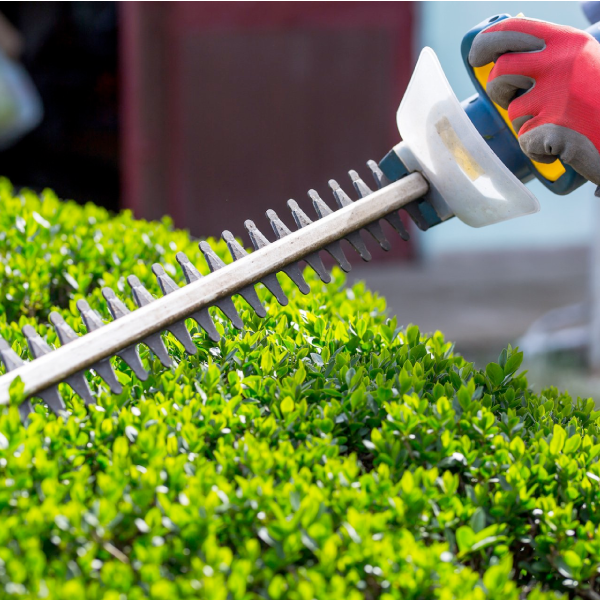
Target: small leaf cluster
(322, 452)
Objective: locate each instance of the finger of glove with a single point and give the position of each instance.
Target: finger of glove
(523, 108)
(503, 89)
(546, 142)
(488, 46)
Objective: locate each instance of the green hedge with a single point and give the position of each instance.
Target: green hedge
(324, 452)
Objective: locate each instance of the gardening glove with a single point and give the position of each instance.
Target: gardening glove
(548, 77)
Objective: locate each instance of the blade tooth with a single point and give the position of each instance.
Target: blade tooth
(248, 293)
(141, 295)
(293, 270)
(230, 311)
(354, 238)
(258, 241)
(314, 260)
(272, 284)
(77, 381)
(339, 194)
(9, 357)
(270, 281)
(415, 214)
(396, 222)
(63, 330)
(179, 330)
(91, 319)
(235, 249)
(375, 230)
(25, 409)
(336, 251)
(319, 204)
(116, 306)
(363, 190)
(154, 342)
(295, 274)
(251, 297)
(53, 399)
(256, 237)
(38, 347)
(165, 282)
(378, 175)
(130, 354)
(335, 248)
(300, 217)
(106, 371)
(214, 262)
(189, 270)
(80, 386)
(202, 317)
(359, 245)
(225, 304)
(279, 227)
(11, 361)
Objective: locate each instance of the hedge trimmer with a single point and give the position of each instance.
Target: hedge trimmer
(455, 159)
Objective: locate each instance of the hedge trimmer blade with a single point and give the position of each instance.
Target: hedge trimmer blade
(68, 363)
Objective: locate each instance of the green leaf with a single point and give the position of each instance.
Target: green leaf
(517, 447)
(495, 373)
(16, 391)
(572, 444)
(316, 358)
(465, 538)
(497, 577)
(559, 435)
(513, 363)
(502, 358)
(478, 520)
(569, 564)
(287, 406)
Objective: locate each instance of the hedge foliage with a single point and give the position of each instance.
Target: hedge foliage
(324, 452)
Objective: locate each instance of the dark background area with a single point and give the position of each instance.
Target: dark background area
(70, 51)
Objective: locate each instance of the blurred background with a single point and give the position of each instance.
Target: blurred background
(214, 112)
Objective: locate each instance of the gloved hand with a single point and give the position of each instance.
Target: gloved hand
(559, 67)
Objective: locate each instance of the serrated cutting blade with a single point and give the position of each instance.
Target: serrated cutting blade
(157, 315)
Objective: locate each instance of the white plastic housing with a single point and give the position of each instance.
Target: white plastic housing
(439, 140)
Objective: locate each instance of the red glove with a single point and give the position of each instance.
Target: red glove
(559, 67)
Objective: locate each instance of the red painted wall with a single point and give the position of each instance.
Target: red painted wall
(232, 108)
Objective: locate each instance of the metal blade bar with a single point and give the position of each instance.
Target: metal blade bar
(141, 324)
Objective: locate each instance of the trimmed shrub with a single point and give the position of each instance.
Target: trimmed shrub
(323, 452)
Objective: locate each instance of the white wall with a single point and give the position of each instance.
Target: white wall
(563, 221)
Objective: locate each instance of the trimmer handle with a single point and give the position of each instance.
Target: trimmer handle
(493, 124)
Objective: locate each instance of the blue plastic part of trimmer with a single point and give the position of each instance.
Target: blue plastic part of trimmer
(496, 132)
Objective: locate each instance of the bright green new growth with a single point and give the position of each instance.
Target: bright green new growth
(321, 453)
